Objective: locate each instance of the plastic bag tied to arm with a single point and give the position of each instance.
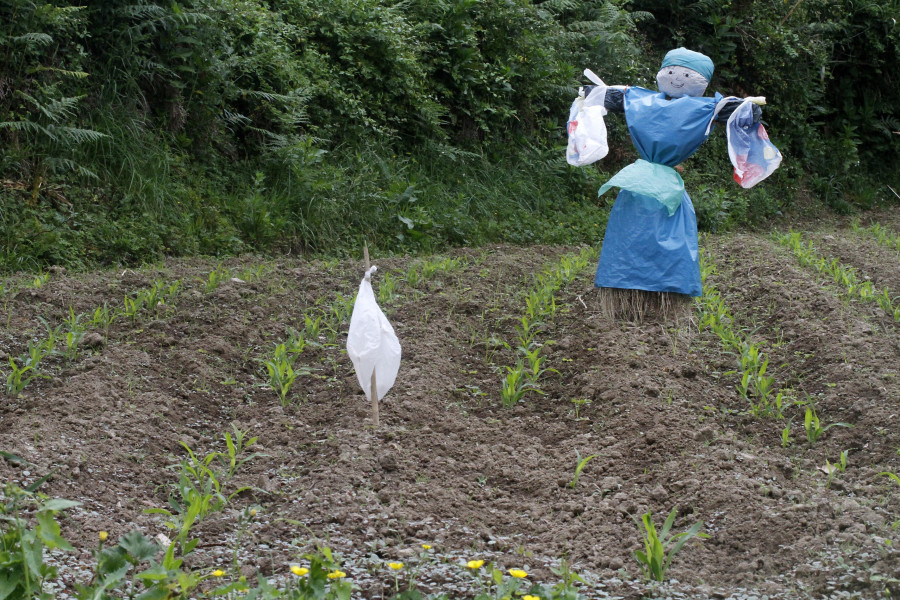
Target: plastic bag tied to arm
(371, 342)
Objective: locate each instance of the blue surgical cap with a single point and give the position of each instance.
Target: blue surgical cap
(682, 57)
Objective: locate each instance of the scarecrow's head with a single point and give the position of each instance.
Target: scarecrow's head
(684, 73)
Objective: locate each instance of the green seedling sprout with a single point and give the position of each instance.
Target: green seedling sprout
(659, 550)
(580, 464)
(813, 427)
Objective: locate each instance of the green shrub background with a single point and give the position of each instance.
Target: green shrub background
(132, 130)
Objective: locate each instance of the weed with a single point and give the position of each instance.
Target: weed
(387, 289)
(23, 571)
(659, 550)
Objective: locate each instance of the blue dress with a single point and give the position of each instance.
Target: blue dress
(651, 242)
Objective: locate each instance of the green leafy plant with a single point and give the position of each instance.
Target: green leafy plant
(579, 402)
(515, 386)
(235, 447)
(23, 543)
(75, 330)
(104, 316)
(814, 429)
(215, 278)
(580, 464)
(281, 373)
(660, 549)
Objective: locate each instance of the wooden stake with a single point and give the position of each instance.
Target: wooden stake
(373, 394)
(374, 400)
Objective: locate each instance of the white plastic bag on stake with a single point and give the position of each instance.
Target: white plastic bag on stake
(371, 342)
(586, 127)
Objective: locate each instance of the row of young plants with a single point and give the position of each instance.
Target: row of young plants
(65, 339)
(322, 325)
(755, 384)
(540, 305)
(141, 568)
(882, 235)
(844, 276)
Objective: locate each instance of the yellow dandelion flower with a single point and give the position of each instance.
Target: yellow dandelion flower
(252, 512)
(218, 573)
(395, 566)
(103, 536)
(518, 573)
(337, 575)
(299, 571)
(475, 564)
(530, 597)
(426, 546)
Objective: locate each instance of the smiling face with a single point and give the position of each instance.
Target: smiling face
(677, 82)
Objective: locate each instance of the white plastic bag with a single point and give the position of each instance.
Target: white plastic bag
(586, 128)
(371, 342)
(752, 155)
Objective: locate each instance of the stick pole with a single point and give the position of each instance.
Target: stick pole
(373, 394)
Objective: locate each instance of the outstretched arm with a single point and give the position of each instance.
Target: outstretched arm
(614, 97)
(732, 105)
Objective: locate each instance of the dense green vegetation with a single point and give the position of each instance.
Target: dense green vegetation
(130, 130)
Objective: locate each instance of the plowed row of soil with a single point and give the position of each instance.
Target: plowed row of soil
(449, 466)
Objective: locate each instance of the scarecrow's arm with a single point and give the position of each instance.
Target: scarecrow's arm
(732, 106)
(615, 103)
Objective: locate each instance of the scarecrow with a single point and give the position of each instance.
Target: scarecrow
(650, 258)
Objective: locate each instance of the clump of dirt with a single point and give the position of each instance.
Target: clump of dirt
(656, 403)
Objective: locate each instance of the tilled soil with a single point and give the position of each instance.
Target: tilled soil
(657, 405)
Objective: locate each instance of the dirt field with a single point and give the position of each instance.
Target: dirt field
(451, 467)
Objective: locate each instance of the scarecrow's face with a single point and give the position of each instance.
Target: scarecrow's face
(677, 82)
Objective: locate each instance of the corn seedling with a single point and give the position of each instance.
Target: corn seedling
(215, 278)
(40, 279)
(311, 327)
(579, 402)
(235, 447)
(53, 334)
(515, 386)
(580, 464)
(534, 371)
(19, 377)
(295, 342)
(103, 317)
(786, 438)
(814, 429)
(281, 373)
(132, 307)
(659, 550)
(891, 475)
(74, 334)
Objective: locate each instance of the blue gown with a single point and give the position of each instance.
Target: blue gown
(650, 245)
